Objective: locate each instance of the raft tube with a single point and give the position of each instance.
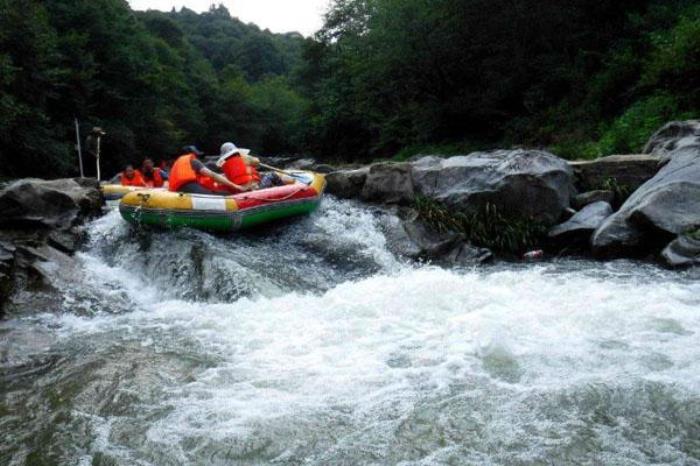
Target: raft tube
(114, 192)
(224, 213)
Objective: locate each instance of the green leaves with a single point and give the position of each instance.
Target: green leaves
(487, 227)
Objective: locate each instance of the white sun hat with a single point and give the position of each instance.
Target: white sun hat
(227, 150)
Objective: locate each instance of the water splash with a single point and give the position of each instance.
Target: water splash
(353, 357)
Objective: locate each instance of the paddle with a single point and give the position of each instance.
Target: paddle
(275, 169)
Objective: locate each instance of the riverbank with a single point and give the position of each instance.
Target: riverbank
(635, 206)
(455, 211)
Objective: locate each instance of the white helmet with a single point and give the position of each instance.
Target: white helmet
(227, 150)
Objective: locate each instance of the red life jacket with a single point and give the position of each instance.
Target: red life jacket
(182, 173)
(137, 180)
(238, 172)
(156, 181)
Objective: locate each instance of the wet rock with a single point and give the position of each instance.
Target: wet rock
(673, 136)
(48, 204)
(581, 226)
(388, 183)
(520, 183)
(664, 207)
(431, 243)
(7, 263)
(346, 184)
(411, 238)
(323, 168)
(584, 199)
(65, 241)
(38, 232)
(465, 255)
(684, 251)
(624, 173)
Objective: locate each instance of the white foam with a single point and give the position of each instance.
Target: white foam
(393, 339)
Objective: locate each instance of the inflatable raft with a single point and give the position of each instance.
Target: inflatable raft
(223, 213)
(114, 192)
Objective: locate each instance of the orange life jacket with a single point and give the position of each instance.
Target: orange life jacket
(156, 181)
(237, 171)
(137, 180)
(182, 173)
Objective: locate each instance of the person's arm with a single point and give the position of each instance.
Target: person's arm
(221, 179)
(250, 160)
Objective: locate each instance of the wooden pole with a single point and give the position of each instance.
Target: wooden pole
(79, 148)
(99, 140)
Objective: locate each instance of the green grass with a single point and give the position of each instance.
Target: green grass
(486, 228)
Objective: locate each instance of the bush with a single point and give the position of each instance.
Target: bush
(629, 132)
(487, 228)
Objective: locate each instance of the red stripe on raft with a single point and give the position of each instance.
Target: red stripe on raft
(269, 196)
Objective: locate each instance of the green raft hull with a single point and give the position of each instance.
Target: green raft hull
(220, 221)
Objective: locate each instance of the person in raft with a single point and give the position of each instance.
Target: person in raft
(189, 175)
(131, 177)
(152, 176)
(241, 168)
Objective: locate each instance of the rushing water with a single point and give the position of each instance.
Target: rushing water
(309, 343)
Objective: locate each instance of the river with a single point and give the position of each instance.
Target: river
(310, 343)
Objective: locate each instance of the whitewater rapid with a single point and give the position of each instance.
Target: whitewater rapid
(313, 344)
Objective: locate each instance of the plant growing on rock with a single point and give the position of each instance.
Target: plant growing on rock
(621, 191)
(488, 227)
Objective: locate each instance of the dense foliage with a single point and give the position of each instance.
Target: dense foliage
(382, 78)
(585, 77)
(154, 81)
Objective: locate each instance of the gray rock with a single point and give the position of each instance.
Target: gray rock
(346, 184)
(466, 255)
(584, 199)
(7, 265)
(65, 241)
(625, 172)
(302, 164)
(48, 204)
(431, 244)
(664, 207)
(673, 136)
(412, 239)
(397, 239)
(388, 183)
(323, 168)
(684, 251)
(523, 183)
(581, 226)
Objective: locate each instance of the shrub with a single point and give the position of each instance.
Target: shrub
(487, 227)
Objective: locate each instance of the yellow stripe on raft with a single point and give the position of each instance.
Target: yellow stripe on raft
(166, 200)
(111, 189)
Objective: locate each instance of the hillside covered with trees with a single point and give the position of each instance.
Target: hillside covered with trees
(383, 78)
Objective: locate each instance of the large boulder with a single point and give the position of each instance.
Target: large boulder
(48, 204)
(623, 173)
(520, 183)
(579, 228)
(346, 184)
(673, 136)
(388, 183)
(684, 251)
(664, 207)
(38, 232)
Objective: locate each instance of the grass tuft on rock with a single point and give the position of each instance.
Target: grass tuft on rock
(695, 234)
(487, 228)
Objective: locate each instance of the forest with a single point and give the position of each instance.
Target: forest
(382, 79)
